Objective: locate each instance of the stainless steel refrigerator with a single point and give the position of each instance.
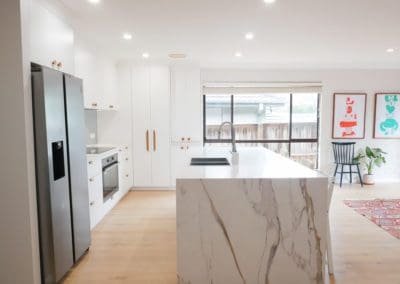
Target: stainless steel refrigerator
(61, 173)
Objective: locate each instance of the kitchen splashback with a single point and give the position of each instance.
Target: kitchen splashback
(91, 126)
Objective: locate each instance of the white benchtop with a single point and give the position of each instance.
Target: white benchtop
(253, 162)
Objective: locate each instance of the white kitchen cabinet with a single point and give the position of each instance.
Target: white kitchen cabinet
(95, 187)
(99, 77)
(99, 208)
(151, 126)
(186, 104)
(181, 154)
(51, 40)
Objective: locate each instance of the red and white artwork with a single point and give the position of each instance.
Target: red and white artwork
(349, 116)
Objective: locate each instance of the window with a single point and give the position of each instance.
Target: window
(286, 123)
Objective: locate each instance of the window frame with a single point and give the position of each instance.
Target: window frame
(289, 141)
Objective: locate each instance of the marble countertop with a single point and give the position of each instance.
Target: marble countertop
(253, 162)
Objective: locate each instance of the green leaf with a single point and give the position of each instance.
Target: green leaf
(369, 152)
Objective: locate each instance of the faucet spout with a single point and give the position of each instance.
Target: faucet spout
(233, 134)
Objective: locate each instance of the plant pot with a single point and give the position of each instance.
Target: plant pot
(368, 179)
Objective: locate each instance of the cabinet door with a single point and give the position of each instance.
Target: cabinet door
(51, 39)
(181, 154)
(86, 69)
(160, 126)
(142, 132)
(95, 200)
(186, 120)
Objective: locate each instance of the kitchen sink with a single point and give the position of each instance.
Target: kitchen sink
(209, 162)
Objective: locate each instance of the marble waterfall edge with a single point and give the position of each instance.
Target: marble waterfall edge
(249, 231)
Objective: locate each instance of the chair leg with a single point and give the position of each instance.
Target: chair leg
(341, 176)
(359, 175)
(334, 175)
(351, 174)
(329, 249)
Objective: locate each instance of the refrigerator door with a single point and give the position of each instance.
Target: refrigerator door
(52, 174)
(77, 164)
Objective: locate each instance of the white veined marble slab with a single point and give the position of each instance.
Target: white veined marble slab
(251, 230)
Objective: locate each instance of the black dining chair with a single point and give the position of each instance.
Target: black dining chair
(344, 156)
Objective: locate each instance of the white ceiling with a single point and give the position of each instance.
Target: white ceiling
(288, 33)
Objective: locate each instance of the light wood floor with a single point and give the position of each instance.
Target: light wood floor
(136, 243)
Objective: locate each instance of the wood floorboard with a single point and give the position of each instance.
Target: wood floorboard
(136, 242)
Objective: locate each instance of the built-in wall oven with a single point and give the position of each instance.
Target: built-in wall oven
(110, 176)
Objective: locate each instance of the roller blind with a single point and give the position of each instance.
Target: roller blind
(260, 87)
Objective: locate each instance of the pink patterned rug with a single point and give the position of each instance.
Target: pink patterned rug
(383, 212)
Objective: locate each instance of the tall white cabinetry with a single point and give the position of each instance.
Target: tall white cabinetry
(51, 40)
(151, 126)
(186, 116)
(99, 75)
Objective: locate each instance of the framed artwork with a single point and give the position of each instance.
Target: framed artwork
(387, 115)
(349, 115)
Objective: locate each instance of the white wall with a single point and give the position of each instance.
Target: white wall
(19, 256)
(366, 81)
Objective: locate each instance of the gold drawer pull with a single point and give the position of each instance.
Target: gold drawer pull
(90, 162)
(91, 179)
(147, 141)
(91, 203)
(154, 141)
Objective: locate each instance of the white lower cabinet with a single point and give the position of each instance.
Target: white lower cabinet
(181, 154)
(99, 208)
(95, 199)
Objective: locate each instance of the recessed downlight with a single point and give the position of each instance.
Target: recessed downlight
(127, 36)
(238, 54)
(249, 36)
(145, 55)
(94, 1)
(269, 1)
(390, 50)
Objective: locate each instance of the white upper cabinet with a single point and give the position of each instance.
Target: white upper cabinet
(99, 76)
(51, 40)
(186, 102)
(151, 126)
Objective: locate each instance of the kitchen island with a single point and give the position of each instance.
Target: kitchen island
(261, 220)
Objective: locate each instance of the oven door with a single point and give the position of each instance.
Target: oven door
(110, 181)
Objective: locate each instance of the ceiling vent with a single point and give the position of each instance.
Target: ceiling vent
(177, 55)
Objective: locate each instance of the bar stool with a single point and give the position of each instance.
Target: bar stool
(344, 156)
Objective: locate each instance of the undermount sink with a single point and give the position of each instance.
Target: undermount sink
(209, 162)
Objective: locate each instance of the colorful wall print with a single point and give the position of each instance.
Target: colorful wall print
(349, 115)
(387, 115)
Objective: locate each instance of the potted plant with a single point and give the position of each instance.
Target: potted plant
(369, 158)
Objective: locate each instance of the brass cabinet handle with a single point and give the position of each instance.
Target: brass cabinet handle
(91, 203)
(94, 104)
(154, 141)
(91, 179)
(147, 141)
(90, 162)
(111, 106)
